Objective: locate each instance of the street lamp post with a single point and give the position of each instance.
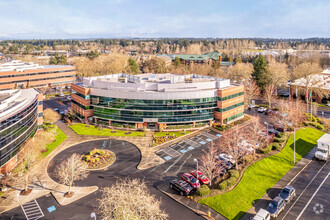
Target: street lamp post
(266, 123)
(294, 145)
(196, 161)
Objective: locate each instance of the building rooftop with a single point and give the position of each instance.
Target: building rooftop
(13, 101)
(19, 66)
(321, 81)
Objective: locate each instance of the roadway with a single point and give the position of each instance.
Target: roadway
(312, 189)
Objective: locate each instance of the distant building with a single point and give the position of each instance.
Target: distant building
(17, 74)
(157, 100)
(320, 81)
(206, 58)
(167, 60)
(53, 52)
(20, 117)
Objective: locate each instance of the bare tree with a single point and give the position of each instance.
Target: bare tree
(71, 170)
(251, 91)
(129, 199)
(25, 172)
(51, 116)
(278, 74)
(270, 94)
(231, 144)
(256, 133)
(240, 72)
(208, 163)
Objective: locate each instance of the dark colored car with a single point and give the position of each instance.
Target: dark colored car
(275, 206)
(268, 112)
(194, 183)
(273, 131)
(227, 165)
(181, 186)
(287, 193)
(201, 177)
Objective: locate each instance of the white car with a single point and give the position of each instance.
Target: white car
(252, 106)
(262, 214)
(262, 109)
(226, 157)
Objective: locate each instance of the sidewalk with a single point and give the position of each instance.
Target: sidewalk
(286, 180)
(45, 184)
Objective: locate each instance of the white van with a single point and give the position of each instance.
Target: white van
(262, 214)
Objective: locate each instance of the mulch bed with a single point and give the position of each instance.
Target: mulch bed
(68, 195)
(25, 193)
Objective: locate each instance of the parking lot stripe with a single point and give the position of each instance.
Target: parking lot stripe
(304, 190)
(183, 164)
(32, 210)
(309, 201)
(173, 164)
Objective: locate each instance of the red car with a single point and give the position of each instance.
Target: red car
(201, 177)
(191, 180)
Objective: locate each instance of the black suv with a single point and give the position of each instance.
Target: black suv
(181, 186)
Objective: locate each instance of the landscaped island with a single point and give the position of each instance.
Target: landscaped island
(83, 129)
(98, 159)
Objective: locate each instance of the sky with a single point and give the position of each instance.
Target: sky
(49, 19)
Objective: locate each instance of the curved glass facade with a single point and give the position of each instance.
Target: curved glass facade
(166, 111)
(15, 130)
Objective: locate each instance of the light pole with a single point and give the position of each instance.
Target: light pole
(93, 215)
(294, 145)
(196, 161)
(266, 123)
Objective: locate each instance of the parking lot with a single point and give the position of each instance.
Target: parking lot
(187, 145)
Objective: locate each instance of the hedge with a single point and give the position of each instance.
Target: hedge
(266, 149)
(233, 173)
(282, 135)
(276, 146)
(204, 190)
(231, 181)
(248, 158)
(223, 185)
(279, 140)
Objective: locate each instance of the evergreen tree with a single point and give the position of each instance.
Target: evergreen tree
(260, 71)
(134, 68)
(177, 62)
(238, 60)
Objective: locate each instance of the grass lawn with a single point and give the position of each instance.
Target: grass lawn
(59, 138)
(177, 133)
(81, 129)
(262, 175)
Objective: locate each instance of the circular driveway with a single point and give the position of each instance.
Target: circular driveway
(127, 159)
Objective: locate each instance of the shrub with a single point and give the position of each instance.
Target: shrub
(319, 126)
(266, 149)
(282, 135)
(276, 146)
(88, 158)
(279, 140)
(234, 173)
(97, 159)
(204, 190)
(248, 158)
(263, 105)
(223, 185)
(276, 109)
(306, 123)
(231, 181)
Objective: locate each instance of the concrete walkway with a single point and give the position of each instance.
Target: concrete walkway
(286, 180)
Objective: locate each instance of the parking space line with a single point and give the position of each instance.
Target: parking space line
(32, 210)
(304, 191)
(183, 164)
(173, 164)
(309, 201)
(209, 135)
(192, 143)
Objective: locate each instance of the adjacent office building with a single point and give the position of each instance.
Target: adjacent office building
(21, 75)
(157, 100)
(20, 117)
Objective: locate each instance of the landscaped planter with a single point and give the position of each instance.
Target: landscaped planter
(99, 159)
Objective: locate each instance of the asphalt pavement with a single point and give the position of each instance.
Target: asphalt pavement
(312, 189)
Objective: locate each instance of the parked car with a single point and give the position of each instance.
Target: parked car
(69, 98)
(61, 94)
(262, 214)
(275, 206)
(261, 109)
(268, 112)
(56, 110)
(287, 193)
(181, 186)
(227, 165)
(201, 177)
(194, 183)
(273, 131)
(251, 106)
(226, 157)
